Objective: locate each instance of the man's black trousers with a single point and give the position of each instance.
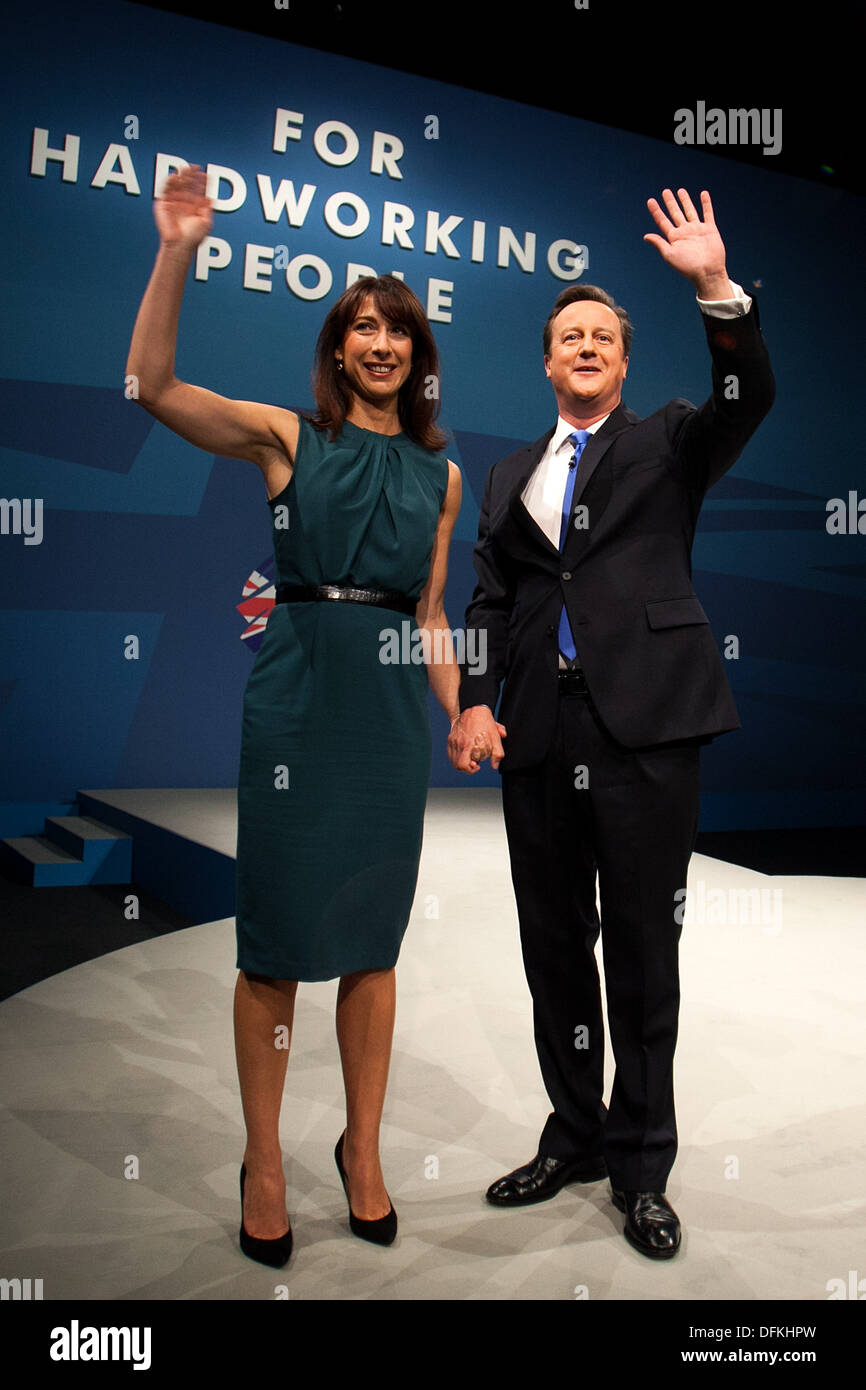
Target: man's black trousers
(630, 816)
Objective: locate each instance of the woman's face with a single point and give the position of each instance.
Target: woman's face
(376, 354)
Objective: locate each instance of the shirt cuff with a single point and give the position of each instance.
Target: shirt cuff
(727, 308)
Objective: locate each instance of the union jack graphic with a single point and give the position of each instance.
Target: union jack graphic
(259, 596)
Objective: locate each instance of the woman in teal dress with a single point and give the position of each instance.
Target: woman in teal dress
(335, 754)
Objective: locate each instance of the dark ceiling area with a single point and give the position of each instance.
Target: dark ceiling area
(627, 65)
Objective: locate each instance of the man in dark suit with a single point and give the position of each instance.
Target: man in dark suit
(612, 681)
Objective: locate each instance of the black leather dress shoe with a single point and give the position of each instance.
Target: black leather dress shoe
(542, 1178)
(651, 1224)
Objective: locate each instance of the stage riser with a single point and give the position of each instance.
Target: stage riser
(190, 877)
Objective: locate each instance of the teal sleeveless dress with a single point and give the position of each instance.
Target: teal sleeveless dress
(335, 747)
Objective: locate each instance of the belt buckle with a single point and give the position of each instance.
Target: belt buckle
(573, 682)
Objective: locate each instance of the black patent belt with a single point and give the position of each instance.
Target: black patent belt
(573, 682)
(342, 593)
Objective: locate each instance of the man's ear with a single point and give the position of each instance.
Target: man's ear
(624, 368)
(546, 365)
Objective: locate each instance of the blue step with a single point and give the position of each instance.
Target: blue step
(74, 850)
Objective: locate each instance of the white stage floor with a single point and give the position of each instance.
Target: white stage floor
(128, 1060)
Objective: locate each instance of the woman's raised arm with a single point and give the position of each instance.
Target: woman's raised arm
(236, 429)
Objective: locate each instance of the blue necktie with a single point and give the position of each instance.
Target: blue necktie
(578, 438)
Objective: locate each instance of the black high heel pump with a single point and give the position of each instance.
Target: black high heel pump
(274, 1252)
(380, 1232)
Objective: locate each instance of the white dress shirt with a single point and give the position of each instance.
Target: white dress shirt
(544, 493)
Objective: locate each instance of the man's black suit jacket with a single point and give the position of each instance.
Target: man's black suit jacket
(651, 662)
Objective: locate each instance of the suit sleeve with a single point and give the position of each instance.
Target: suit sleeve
(486, 618)
(709, 440)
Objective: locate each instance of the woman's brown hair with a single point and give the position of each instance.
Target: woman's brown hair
(417, 405)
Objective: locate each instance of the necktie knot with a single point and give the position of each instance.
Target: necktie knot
(578, 438)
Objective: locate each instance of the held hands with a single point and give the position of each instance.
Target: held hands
(183, 214)
(475, 735)
(692, 247)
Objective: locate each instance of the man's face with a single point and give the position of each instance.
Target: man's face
(585, 365)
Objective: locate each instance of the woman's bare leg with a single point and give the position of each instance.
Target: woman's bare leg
(262, 1007)
(366, 1004)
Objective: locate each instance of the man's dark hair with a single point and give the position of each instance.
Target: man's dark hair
(575, 292)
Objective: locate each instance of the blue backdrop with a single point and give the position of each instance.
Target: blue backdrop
(144, 535)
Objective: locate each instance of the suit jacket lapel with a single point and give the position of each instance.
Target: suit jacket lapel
(525, 466)
(579, 538)
(596, 447)
(619, 419)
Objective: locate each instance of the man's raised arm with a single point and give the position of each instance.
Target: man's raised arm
(713, 436)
